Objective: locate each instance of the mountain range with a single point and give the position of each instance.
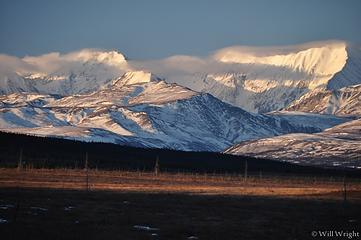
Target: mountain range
(244, 100)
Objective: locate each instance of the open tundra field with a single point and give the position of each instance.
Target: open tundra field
(80, 204)
(182, 183)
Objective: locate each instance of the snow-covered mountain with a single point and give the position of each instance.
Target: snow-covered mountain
(140, 109)
(258, 79)
(344, 101)
(337, 146)
(64, 74)
(270, 102)
(267, 79)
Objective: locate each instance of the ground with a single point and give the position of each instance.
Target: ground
(66, 204)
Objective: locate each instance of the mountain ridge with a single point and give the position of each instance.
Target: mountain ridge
(145, 110)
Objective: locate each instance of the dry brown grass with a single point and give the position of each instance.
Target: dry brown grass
(180, 183)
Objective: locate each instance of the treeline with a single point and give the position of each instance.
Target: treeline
(41, 152)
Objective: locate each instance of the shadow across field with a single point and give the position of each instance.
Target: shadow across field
(74, 214)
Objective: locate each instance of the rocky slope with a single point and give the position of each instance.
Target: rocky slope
(344, 101)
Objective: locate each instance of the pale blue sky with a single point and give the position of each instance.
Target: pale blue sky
(156, 29)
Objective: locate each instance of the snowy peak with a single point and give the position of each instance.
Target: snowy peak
(321, 59)
(112, 58)
(135, 77)
(272, 77)
(351, 72)
(133, 88)
(331, 64)
(64, 74)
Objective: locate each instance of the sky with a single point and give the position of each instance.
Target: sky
(151, 29)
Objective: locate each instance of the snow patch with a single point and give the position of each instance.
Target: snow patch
(145, 228)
